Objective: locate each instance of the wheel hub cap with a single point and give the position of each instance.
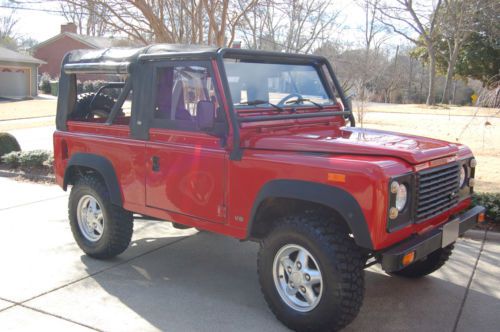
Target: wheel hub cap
(297, 278)
(90, 218)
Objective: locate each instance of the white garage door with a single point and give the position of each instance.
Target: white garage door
(14, 83)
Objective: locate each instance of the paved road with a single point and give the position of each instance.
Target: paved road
(184, 281)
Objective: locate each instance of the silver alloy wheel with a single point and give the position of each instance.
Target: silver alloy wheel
(90, 218)
(297, 277)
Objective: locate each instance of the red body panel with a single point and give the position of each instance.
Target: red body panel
(198, 180)
(192, 175)
(351, 140)
(112, 142)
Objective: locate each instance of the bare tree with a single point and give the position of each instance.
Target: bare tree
(8, 35)
(224, 18)
(417, 23)
(260, 28)
(373, 39)
(170, 21)
(458, 19)
(85, 16)
(296, 26)
(390, 78)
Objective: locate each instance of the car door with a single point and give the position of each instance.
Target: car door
(186, 162)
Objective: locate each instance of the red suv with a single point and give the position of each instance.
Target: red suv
(259, 146)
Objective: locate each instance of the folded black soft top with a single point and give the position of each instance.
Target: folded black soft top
(127, 54)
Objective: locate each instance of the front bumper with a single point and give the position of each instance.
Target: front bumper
(424, 244)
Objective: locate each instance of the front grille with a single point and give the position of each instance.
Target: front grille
(437, 190)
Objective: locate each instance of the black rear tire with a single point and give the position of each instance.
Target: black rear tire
(433, 262)
(339, 261)
(117, 222)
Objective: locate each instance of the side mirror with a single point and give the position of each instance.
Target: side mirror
(205, 115)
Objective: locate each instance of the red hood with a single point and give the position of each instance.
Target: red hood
(349, 140)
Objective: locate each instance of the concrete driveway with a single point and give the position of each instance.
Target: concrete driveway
(184, 281)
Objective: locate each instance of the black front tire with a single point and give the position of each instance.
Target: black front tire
(433, 262)
(117, 222)
(340, 263)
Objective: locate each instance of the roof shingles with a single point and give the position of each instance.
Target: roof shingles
(93, 42)
(7, 55)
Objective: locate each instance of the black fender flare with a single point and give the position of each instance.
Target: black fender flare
(102, 166)
(333, 197)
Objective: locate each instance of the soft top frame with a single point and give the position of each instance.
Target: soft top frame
(124, 61)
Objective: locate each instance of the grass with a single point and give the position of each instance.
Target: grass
(435, 110)
(479, 133)
(26, 109)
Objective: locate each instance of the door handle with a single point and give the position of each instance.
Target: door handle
(156, 163)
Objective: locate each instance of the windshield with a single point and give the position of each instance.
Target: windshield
(284, 85)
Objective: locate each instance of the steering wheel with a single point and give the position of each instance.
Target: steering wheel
(290, 96)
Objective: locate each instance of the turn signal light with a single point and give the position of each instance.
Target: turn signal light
(408, 258)
(481, 217)
(336, 177)
(393, 213)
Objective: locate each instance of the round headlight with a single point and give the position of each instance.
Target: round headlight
(401, 197)
(463, 175)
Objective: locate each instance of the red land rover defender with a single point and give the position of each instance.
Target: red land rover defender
(258, 146)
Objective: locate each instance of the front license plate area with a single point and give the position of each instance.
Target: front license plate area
(450, 232)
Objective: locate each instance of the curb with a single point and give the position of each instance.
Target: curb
(27, 176)
(475, 234)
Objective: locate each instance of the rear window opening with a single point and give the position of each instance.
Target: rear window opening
(97, 95)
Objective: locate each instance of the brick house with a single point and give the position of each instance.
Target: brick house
(53, 50)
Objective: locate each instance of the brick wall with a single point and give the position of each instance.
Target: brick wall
(53, 53)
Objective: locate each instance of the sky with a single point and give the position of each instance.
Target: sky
(36, 24)
(41, 24)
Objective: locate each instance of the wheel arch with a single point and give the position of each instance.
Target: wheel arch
(101, 166)
(276, 198)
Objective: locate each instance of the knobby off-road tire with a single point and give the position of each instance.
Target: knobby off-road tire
(89, 106)
(429, 264)
(328, 250)
(101, 229)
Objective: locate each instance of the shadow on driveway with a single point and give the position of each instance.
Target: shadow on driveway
(208, 282)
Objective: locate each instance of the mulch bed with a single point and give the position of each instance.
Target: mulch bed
(43, 174)
(489, 225)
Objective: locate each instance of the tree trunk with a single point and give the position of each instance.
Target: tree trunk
(431, 99)
(454, 92)
(449, 74)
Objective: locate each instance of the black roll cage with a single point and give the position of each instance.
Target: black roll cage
(104, 63)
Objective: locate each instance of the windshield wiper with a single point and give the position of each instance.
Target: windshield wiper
(301, 100)
(260, 102)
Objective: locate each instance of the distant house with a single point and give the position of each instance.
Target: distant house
(53, 50)
(18, 74)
